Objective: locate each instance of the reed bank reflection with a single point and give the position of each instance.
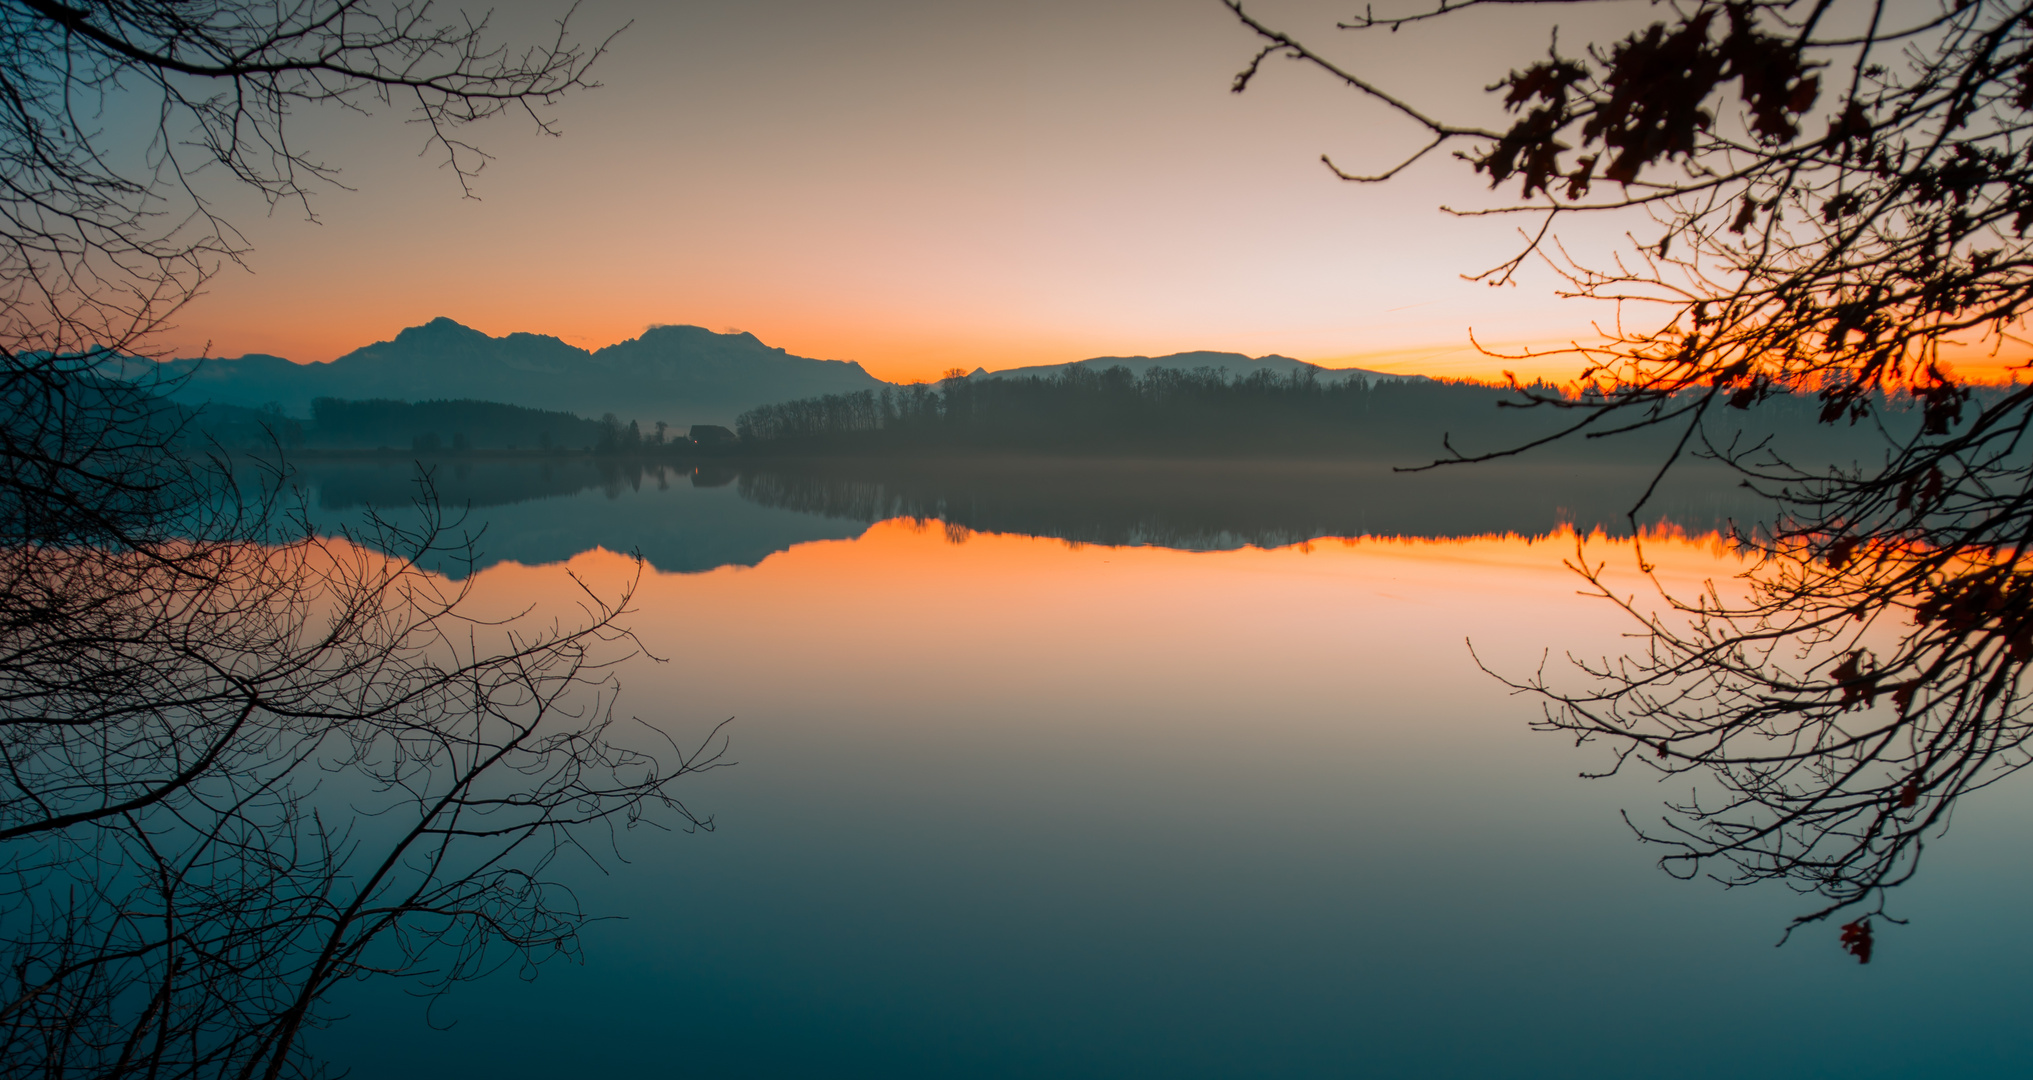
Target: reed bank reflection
(737, 514)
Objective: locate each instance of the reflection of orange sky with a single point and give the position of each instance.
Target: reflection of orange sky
(913, 592)
(919, 543)
(1987, 365)
(1027, 642)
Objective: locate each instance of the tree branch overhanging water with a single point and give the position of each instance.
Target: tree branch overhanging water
(1835, 198)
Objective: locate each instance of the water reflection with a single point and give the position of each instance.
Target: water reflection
(1017, 808)
(1223, 505)
(548, 512)
(738, 514)
(537, 513)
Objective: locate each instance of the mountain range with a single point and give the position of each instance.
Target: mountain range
(680, 374)
(1234, 365)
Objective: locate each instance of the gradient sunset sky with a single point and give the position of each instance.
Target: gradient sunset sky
(925, 184)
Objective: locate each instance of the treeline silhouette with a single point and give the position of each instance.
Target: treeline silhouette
(431, 428)
(448, 425)
(455, 426)
(395, 482)
(1112, 412)
(1203, 412)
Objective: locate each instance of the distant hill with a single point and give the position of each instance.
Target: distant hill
(683, 375)
(680, 374)
(1234, 365)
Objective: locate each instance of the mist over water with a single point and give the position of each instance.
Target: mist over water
(1125, 769)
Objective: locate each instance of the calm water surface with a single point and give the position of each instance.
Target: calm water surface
(1019, 803)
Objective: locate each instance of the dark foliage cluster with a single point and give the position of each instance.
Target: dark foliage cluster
(434, 428)
(433, 425)
(389, 484)
(629, 440)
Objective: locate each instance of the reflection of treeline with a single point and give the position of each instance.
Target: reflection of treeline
(1191, 413)
(1226, 504)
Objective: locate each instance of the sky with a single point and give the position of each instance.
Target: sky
(920, 185)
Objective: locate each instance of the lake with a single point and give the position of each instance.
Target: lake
(1160, 769)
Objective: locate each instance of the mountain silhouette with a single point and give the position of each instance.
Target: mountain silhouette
(680, 374)
(1235, 365)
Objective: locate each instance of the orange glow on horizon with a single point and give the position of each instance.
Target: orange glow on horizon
(893, 355)
(898, 542)
(1081, 182)
(903, 355)
(898, 603)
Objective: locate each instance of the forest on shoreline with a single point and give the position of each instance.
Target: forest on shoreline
(1202, 413)
(1079, 412)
